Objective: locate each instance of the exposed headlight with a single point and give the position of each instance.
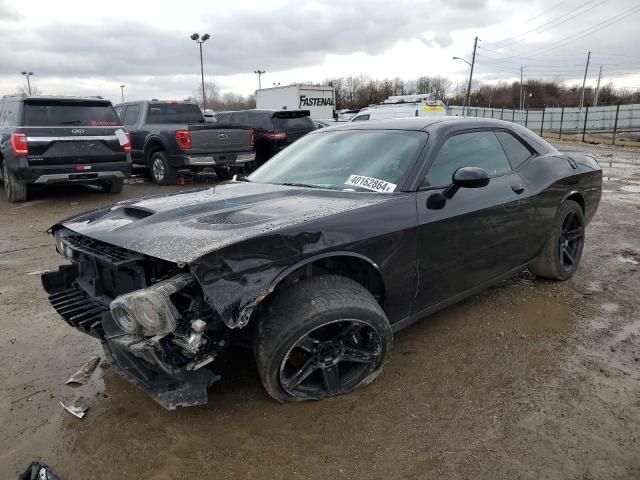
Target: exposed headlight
(150, 310)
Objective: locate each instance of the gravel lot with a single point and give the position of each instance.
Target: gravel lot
(531, 379)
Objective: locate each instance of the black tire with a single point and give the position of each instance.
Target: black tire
(161, 172)
(114, 186)
(224, 174)
(561, 254)
(249, 167)
(349, 332)
(13, 189)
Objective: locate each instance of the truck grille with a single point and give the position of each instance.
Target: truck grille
(79, 310)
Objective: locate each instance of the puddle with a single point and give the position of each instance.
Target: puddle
(609, 307)
(543, 315)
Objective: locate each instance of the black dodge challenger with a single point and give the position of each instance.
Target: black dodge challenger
(346, 236)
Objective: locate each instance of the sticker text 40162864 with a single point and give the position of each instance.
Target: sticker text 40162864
(371, 183)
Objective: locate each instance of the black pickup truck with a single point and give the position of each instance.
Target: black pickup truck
(46, 140)
(169, 136)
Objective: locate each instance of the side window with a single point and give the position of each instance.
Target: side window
(473, 149)
(119, 109)
(514, 148)
(360, 118)
(131, 115)
(11, 114)
(239, 118)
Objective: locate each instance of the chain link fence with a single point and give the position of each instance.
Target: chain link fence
(602, 123)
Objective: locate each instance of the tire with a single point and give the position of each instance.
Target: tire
(331, 329)
(562, 251)
(224, 174)
(13, 189)
(114, 186)
(161, 172)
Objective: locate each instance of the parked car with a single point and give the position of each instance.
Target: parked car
(169, 136)
(325, 123)
(46, 140)
(348, 235)
(273, 129)
(400, 109)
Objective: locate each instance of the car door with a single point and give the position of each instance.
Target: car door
(480, 233)
(130, 120)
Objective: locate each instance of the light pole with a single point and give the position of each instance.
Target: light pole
(122, 89)
(28, 74)
(200, 40)
(259, 73)
(466, 98)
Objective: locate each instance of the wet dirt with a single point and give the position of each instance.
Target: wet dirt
(529, 379)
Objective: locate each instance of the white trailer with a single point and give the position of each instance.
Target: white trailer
(319, 100)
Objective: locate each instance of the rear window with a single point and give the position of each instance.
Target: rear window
(287, 124)
(44, 114)
(174, 113)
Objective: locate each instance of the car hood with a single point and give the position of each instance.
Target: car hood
(184, 226)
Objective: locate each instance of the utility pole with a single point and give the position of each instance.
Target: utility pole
(521, 90)
(259, 73)
(473, 62)
(584, 81)
(595, 95)
(200, 40)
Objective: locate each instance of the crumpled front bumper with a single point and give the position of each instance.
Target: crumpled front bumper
(91, 315)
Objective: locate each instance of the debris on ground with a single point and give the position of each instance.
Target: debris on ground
(76, 411)
(38, 471)
(85, 372)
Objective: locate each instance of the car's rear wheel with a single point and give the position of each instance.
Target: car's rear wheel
(562, 252)
(114, 186)
(13, 189)
(322, 337)
(161, 172)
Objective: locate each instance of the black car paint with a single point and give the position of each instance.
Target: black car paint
(58, 150)
(417, 259)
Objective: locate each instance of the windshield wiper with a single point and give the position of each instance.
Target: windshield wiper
(294, 184)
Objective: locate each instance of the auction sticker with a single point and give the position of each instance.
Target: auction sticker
(370, 183)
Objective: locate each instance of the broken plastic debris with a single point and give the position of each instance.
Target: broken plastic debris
(77, 411)
(85, 371)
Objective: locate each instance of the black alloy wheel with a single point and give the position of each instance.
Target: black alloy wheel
(571, 241)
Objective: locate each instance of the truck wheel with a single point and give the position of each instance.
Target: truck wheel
(161, 172)
(322, 337)
(114, 186)
(224, 174)
(561, 255)
(13, 189)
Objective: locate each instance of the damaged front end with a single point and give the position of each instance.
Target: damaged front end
(150, 315)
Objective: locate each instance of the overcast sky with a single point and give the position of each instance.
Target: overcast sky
(89, 48)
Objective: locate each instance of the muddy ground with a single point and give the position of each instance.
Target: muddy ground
(531, 379)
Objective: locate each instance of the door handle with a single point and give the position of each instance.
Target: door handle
(518, 189)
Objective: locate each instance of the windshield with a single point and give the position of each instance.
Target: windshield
(43, 114)
(361, 160)
(173, 112)
(288, 124)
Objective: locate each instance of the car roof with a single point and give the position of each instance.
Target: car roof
(262, 110)
(421, 123)
(54, 98)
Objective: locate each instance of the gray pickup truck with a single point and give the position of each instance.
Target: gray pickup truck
(169, 136)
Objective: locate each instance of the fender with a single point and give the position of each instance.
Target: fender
(153, 138)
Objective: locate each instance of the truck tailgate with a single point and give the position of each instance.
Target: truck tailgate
(209, 139)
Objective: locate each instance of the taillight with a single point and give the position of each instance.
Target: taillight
(252, 140)
(19, 144)
(275, 136)
(184, 139)
(127, 146)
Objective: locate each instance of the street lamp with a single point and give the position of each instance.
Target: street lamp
(259, 73)
(200, 40)
(28, 74)
(466, 98)
(122, 89)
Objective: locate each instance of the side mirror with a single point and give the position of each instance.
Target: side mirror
(466, 177)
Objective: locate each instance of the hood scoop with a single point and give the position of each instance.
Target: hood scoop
(231, 218)
(137, 212)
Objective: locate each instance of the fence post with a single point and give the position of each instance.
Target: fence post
(586, 115)
(513, 114)
(561, 119)
(484, 110)
(544, 108)
(526, 119)
(502, 114)
(615, 125)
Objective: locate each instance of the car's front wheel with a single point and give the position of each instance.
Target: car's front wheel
(562, 252)
(321, 337)
(114, 186)
(224, 173)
